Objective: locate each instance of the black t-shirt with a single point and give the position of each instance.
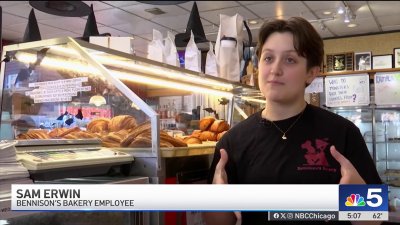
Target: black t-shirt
(257, 154)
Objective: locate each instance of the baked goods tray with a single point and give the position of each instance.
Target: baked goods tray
(392, 173)
(206, 148)
(31, 142)
(40, 145)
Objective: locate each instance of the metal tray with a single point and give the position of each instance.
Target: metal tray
(206, 148)
(35, 142)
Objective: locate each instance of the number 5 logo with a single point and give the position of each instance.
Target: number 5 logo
(372, 195)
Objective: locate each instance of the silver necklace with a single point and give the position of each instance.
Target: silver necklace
(284, 132)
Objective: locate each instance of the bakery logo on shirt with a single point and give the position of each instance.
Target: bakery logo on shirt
(315, 156)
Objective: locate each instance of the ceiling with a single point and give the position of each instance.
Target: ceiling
(129, 18)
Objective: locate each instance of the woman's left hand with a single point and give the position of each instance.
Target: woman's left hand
(349, 173)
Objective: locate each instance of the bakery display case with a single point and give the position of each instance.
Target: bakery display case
(377, 117)
(77, 109)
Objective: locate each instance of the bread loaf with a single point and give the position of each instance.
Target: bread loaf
(98, 125)
(118, 123)
(208, 136)
(127, 140)
(219, 136)
(192, 140)
(206, 122)
(219, 125)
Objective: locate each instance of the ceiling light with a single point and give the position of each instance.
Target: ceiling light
(346, 18)
(327, 13)
(349, 15)
(155, 11)
(322, 26)
(352, 25)
(97, 100)
(253, 22)
(340, 10)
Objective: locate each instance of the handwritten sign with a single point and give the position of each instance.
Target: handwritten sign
(57, 90)
(387, 88)
(317, 86)
(347, 90)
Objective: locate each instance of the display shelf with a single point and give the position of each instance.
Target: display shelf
(69, 74)
(370, 72)
(206, 148)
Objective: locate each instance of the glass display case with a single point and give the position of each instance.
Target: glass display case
(75, 105)
(379, 122)
(362, 117)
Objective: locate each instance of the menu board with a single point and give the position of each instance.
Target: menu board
(387, 88)
(351, 90)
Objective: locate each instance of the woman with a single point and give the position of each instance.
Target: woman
(289, 142)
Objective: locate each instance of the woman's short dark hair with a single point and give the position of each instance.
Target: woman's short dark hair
(306, 40)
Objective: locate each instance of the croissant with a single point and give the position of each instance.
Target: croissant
(55, 133)
(175, 142)
(85, 134)
(122, 122)
(71, 130)
(22, 136)
(140, 142)
(38, 134)
(110, 144)
(71, 136)
(196, 133)
(219, 125)
(206, 122)
(219, 136)
(208, 136)
(98, 125)
(143, 127)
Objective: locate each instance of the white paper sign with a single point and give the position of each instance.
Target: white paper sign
(387, 88)
(352, 90)
(57, 90)
(317, 86)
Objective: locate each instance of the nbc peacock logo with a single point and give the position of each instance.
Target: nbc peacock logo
(355, 200)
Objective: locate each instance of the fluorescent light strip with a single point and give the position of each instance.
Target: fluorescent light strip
(54, 63)
(254, 100)
(147, 69)
(154, 81)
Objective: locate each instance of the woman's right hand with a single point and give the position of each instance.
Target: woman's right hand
(220, 176)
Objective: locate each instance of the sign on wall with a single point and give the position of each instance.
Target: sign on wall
(387, 88)
(57, 90)
(351, 90)
(317, 86)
